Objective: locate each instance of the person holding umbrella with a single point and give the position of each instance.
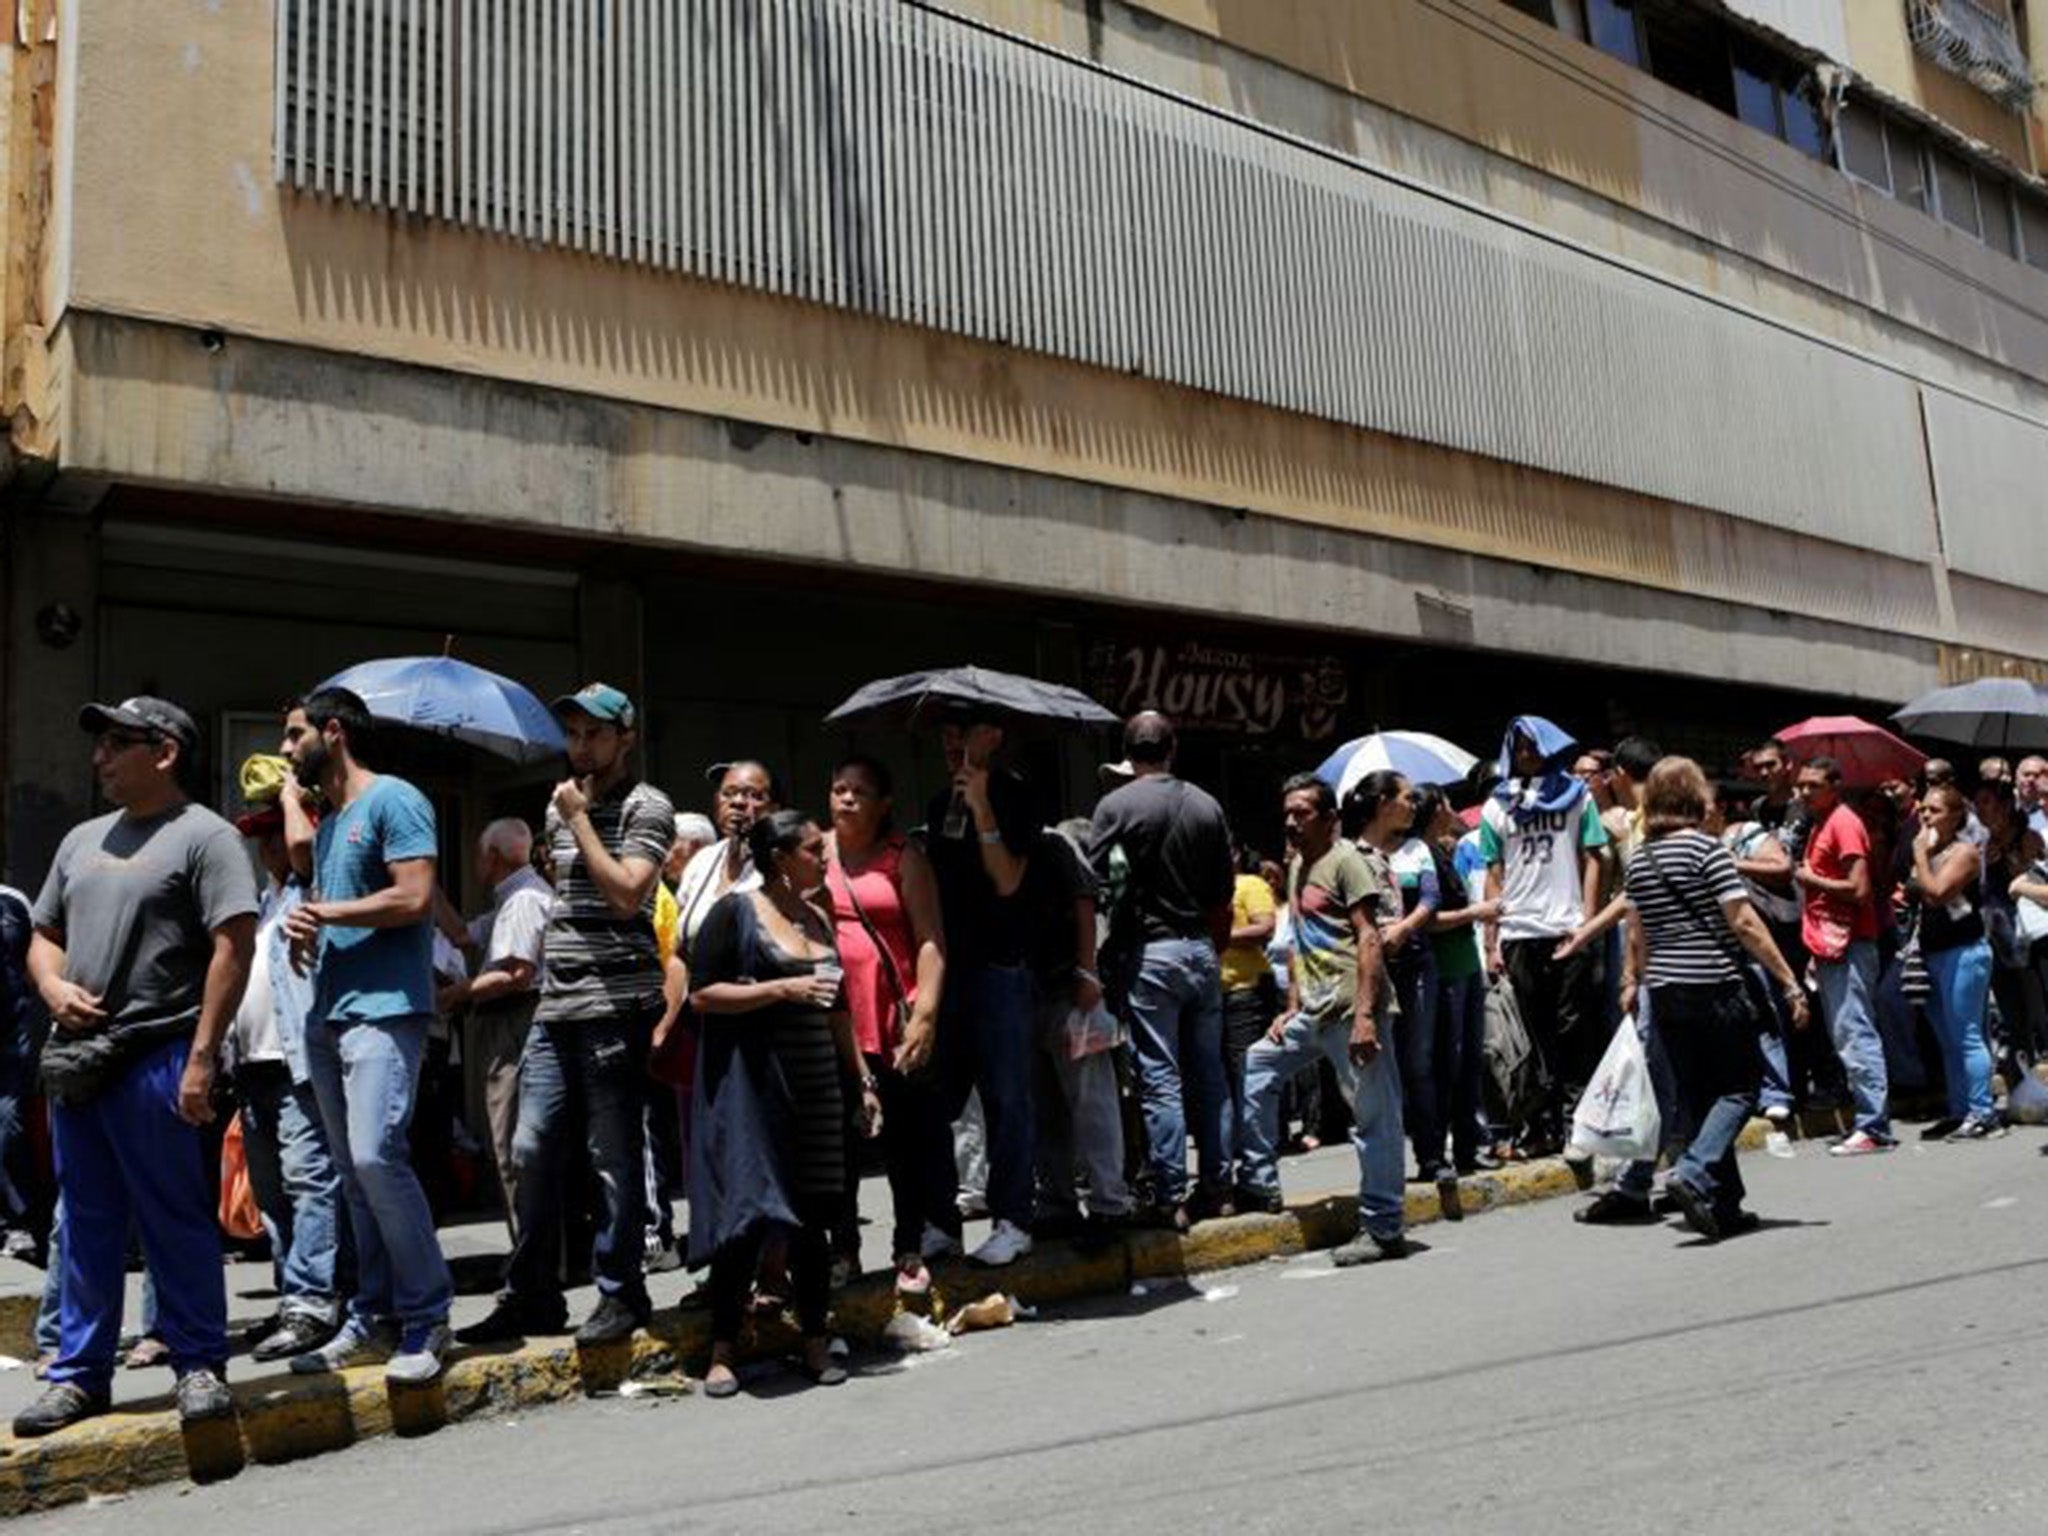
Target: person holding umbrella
(979, 836)
(1838, 927)
(600, 996)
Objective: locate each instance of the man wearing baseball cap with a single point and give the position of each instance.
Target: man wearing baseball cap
(291, 1169)
(600, 997)
(143, 934)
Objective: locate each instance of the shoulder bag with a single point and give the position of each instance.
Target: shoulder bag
(901, 1006)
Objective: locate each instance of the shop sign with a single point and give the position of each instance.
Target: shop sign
(1223, 690)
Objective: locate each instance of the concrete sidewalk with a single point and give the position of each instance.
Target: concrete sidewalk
(283, 1417)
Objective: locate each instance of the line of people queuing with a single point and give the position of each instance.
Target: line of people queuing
(728, 1008)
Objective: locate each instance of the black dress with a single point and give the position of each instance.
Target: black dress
(768, 1128)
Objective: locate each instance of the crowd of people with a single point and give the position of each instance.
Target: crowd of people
(1027, 1020)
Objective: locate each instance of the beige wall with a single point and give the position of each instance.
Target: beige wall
(175, 218)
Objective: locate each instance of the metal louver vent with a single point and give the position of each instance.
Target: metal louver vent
(1972, 40)
(885, 158)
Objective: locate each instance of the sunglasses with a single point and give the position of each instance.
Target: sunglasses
(121, 741)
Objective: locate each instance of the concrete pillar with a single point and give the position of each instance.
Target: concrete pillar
(51, 668)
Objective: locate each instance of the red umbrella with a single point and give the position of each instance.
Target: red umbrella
(1869, 754)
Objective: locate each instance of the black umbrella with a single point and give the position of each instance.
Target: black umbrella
(2001, 713)
(918, 697)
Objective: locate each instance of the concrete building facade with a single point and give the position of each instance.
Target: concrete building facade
(1297, 366)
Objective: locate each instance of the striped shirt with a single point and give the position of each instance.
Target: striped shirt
(595, 963)
(1677, 885)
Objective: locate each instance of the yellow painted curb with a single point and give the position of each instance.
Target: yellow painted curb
(283, 1418)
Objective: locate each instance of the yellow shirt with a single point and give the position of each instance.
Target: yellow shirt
(1251, 901)
(666, 915)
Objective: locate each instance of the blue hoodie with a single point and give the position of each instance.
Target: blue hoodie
(1555, 789)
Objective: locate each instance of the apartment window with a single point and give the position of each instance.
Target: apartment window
(1688, 52)
(1955, 192)
(1540, 9)
(1994, 203)
(1860, 132)
(2034, 232)
(1611, 27)
(1756, 89)
(1904, 150)
(1804, 129)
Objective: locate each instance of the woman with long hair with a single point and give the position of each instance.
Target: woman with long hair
(1946, 886)
(1693, 923)
(1460, 992)
(1420, 1045)
(885, 909)
(768, 1143)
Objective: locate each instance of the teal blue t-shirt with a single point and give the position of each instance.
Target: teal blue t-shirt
(369, 974)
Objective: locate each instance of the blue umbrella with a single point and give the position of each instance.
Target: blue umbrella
(1417, 756)
(2006, 713)
(451, 698)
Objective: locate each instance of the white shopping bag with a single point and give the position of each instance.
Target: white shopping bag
(1617, 1117)
(1092, 1031)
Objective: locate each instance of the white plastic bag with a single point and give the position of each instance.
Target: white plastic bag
(1617, 1117)
(1092, 1032)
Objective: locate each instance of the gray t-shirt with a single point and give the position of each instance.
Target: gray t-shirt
(136, 903)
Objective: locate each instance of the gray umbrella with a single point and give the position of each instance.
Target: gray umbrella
(920, 697)
(2004, 713)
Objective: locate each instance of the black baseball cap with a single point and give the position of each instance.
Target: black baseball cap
(159, 717)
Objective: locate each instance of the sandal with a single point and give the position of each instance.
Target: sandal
(912, 1278)
(148, 1353)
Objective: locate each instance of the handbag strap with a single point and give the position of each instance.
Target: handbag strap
(874, 938)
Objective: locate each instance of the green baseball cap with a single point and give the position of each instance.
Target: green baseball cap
(600, 701)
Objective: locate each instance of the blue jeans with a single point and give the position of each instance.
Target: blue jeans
(124, 1156)
(296, 1188)
(1176, 1006)
(988, 1034)
(1374, 1093)
(1848, 988)
(1962, 981)
(1427, 1052)
(1770, 1040)
(1461, 1010)
(366, 1077)
(1709, 1037)
(595, 1071)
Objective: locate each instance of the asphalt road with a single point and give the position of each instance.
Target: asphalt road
(1871, 1360)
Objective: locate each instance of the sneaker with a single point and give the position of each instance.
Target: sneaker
(1943, 1129)
(1612, 1208)
(938, 1243)
(60, 1405)
(202, 1395)
(612, 1322)
(662, 1258)
(1007, 1244)
(1450, 1200)
(1778, 1144)
(1778, 1114)
(1977, 1128)
(420, 1349)
(1858, 1144)
(295, 1334)
(354, 1344)
(1699, 1210)
(509, 1321)
(1367, 1249)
